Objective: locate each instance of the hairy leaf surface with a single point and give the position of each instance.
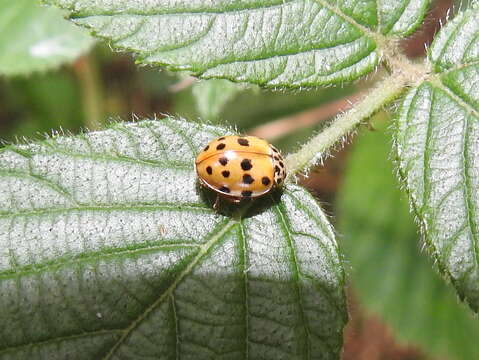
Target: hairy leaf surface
(109, 250)
(438, 147)
(35, 38)
(391, 276)
(270, 42)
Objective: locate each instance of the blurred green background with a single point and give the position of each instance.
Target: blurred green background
(55, 78)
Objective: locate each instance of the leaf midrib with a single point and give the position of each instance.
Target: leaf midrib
(292, 53)
(203, 250)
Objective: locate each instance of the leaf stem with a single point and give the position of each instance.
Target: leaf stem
(88, 76)
(313, 151)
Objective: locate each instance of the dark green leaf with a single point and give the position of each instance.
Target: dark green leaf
(40, 103)
(110, 250)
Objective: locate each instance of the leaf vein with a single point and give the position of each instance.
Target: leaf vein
(136, 12)
(58, 339)
(215, 237)
(182, 165)
(144, 207)
(282, 219)
(456, 97)
(26, 270)
(177, 328)
(244, 268)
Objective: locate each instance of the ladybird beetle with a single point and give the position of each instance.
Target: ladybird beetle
(240, 167)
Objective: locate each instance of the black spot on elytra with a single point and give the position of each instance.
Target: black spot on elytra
(246, 193)
(247, 179)
(223, 161)
(206, 148)
(281, 164)
(224, 189)
(221, 138)
(220, 146)
(246, 164)
(277, 169)
(276, 157)
(209, 170)
(225, 173)
(243, 142)
(265, 180)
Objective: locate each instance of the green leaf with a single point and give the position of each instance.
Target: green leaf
(438, 148)
(213, 95)
(110, 250)
(35, 38)
(390, 275)
(270, 42)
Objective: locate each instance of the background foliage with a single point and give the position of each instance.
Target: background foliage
(390, 274)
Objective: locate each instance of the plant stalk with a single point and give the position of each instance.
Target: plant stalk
(88, 76)
(314, 150)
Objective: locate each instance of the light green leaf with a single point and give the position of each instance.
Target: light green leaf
(213, 95)
(390, 275)
(438, 147)
(36, 38)
(108, 249)
(270, 42)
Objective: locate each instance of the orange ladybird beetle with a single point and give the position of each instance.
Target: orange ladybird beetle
(240, 167)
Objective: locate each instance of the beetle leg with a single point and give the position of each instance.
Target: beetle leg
(216, 205)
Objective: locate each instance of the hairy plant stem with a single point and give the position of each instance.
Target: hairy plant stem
(88, 76)
(313, 151)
